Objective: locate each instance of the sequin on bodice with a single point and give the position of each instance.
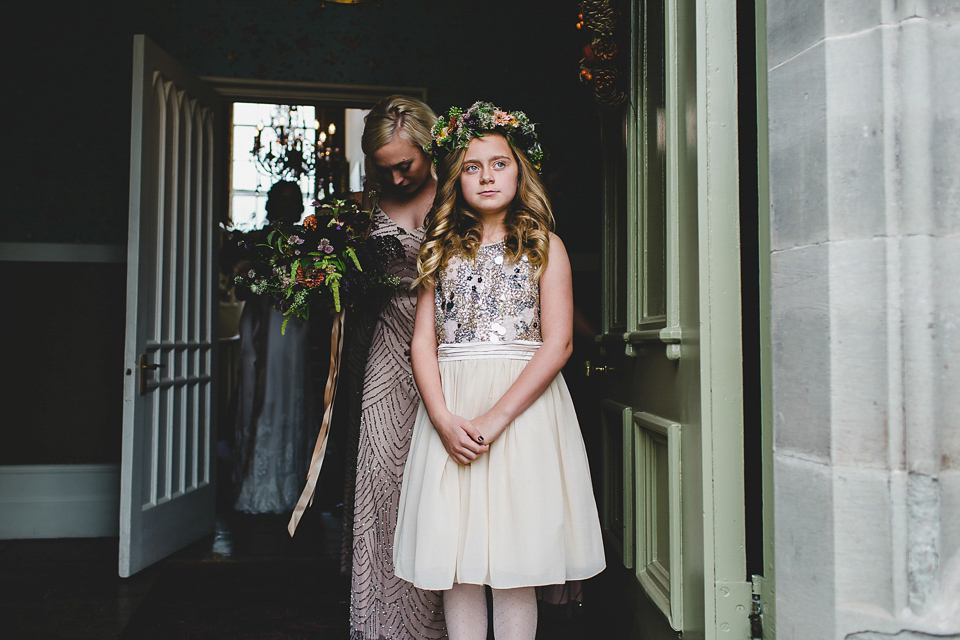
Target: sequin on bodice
(488, 299)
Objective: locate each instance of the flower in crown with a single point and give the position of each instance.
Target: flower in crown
(457, 128)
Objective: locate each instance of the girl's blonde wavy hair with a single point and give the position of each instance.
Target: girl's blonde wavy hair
(452, 228)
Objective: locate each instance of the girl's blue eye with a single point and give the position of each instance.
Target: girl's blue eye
(500, 164)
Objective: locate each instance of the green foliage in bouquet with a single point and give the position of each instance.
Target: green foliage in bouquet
(328, 260)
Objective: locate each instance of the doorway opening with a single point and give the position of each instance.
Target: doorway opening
(314, 145)
(308, 135)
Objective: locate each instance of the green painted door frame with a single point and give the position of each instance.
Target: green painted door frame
(672, 281)
(764, 586)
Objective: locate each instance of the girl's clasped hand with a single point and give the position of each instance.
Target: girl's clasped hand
(462, 440)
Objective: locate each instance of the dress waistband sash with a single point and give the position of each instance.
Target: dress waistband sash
(513, 350)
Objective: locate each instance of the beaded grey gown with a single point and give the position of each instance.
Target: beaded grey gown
(382, 606)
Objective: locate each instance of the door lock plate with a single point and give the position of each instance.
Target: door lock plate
(143, 372)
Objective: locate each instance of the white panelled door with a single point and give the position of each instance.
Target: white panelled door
(167, 495)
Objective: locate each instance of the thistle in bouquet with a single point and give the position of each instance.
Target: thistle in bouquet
(328, 260)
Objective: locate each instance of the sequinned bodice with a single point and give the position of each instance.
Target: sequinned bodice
(488, 299)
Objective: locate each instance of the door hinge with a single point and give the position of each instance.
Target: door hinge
(734, 604)
(756, 610)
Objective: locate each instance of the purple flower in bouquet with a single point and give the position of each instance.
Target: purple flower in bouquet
(347, 267)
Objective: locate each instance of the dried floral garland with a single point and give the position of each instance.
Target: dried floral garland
(598, 68)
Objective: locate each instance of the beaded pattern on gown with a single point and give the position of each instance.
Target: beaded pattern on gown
(381, 604)
(488, 299)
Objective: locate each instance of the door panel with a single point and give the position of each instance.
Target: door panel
(616, 495)
(682, 335)
(656, 447)
(167, 481)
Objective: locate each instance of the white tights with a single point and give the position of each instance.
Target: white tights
(514, 612)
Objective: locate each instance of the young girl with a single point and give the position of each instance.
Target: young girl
(497, 489)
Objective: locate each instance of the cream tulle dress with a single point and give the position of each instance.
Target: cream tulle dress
(523, 514)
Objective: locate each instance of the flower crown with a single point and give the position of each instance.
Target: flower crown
(457, 128)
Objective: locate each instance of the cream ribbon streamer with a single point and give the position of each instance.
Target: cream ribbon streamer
(329, 393)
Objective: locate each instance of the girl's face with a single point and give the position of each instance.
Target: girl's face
(489, 175)
(402, 167)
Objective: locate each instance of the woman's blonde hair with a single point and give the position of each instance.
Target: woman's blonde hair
(452, 228)
(407, 117)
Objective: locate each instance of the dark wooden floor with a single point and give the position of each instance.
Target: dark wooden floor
(248, 580)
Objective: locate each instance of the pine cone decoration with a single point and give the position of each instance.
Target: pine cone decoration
(598, 68)
(604, 78)
(603, 49)
(611, 97)
(599, 16)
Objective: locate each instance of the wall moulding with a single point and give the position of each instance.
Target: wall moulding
(62, 252)
(59, 501)
(241, 89)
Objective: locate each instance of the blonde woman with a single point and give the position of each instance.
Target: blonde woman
(381, 605)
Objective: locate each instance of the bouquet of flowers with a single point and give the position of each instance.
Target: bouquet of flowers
(327, 260)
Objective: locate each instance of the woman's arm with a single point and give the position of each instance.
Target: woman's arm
(556, 325)
(461, 439)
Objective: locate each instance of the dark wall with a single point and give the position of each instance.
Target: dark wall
(61, 377)
(67, 99)
(68, 68)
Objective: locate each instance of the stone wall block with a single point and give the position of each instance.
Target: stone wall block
(915, 131)
(863, 541)
(800, 328)
(949, 591)
(923, 540)
(804, 511)
(946, 366)
(859, 358)
(793, 27)
(855, 135)
(798, 156)
(896, 11)
(945, 123)
(900, 635)
(942, 11)
(931, 348)
(843, 17)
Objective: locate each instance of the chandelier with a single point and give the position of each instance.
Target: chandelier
(289, 148)
(292, 147)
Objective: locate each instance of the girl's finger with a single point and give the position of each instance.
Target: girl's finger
(472, 447)
(472, 431)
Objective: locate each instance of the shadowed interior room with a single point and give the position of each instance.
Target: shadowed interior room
(68, 97)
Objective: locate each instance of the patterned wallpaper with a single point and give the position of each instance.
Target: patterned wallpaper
(71, 85)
